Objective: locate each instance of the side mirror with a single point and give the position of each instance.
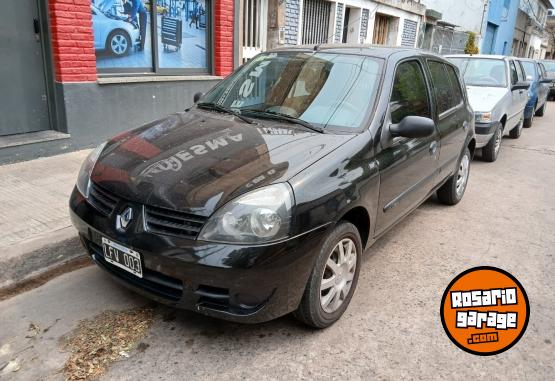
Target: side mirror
(197, 97)
(520, 86)
(413, 127)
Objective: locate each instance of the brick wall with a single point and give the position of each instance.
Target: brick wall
(73, 39)
(292, 10)
(223, 36)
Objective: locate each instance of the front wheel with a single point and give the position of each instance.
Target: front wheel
(118, 43)
(491, 150)
(452, 191)
(541, 111)
(333, 279)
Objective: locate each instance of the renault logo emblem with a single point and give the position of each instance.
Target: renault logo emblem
(123, 219)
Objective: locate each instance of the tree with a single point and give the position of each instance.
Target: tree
(471, 47)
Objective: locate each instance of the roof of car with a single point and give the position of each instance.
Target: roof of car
(380, 51)
(491, 56)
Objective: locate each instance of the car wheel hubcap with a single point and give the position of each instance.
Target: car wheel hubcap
(338, 275)
(119, 44)
(498, 136)
(462, 175)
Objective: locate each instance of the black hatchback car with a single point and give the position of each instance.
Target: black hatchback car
(260, 199)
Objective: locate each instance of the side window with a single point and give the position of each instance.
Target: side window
(520, 72)
(409, 95)
(446, 86)
(542, 70)
(514, 73)
(457, 94)
(442, 87)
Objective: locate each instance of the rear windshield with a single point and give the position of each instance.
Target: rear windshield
(549, 66)
(327, 90)
(488, 72)
(529, 69)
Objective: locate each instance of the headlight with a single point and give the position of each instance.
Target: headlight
(482, 117)
(86, 170)
(259, 216)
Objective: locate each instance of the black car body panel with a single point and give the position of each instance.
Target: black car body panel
(195, 162)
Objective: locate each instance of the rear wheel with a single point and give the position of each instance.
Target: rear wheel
(541, 111)
(333, 279)
(452, 191)
(491, 150)
(528, 121)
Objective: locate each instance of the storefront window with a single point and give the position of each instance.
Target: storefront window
(126, 35)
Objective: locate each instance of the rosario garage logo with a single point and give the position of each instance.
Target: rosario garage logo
(485, 311)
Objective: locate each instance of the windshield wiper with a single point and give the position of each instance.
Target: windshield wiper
(220, 108)
(287, 118)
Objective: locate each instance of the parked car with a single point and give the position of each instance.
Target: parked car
(538, 91)
(261, 199)
(114, 33)
(497, 90)
(549, 66)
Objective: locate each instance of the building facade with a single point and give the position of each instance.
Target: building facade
(530, 29)
(500, 27)
(76, 72)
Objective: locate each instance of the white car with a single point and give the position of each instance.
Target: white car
(113, 33)
(498, 92)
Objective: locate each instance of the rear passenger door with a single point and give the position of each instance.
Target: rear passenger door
(520, 97)
(408, 166)
(452, 114)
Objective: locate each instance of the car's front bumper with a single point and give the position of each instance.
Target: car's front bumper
(484, 132)
(241, 283)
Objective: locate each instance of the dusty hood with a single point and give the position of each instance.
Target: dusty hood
(485, 98)
(196, 161)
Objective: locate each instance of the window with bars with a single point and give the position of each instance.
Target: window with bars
(254, 24)
(316, 21)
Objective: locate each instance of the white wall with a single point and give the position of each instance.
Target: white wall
(467, 14)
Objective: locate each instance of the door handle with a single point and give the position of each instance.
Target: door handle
(36, 26)
(433, 148)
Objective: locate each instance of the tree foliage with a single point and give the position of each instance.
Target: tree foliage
(471, 47)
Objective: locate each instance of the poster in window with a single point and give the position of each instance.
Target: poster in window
(182, 28)
(122, 34)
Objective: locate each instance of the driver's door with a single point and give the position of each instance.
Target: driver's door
(408, 166)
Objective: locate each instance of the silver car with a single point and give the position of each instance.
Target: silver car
(498, 93)
(113, 33)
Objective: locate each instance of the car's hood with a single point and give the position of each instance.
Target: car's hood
(196, 161)
(485, 98)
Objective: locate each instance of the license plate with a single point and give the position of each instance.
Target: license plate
(122, 257)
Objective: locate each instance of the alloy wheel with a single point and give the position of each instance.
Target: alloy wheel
(462, 175)
(338, 275)
(119, 44)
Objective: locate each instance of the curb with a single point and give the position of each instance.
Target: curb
(44, 254)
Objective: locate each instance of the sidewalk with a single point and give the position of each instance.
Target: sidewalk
(35, 229)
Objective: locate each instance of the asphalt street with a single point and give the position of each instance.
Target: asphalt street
(391, 330)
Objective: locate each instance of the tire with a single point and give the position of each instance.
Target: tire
(491, 150)
(118, 43)
(517, 131)
(452, 191)
(541, 111)
(528, 121)
(311, 310)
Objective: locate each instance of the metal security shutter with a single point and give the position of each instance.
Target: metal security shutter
(316, 21)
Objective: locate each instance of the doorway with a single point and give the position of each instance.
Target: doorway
(23, 99)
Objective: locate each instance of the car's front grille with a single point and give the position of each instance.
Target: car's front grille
(103, 200)
(172, 222)
(154, 282)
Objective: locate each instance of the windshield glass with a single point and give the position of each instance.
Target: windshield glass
(529, 69)
(549, 65)
(323, 89)
(482, 71)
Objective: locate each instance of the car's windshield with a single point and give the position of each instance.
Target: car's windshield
(549, 66)
(529, 69)
(324, 89)
(482, 71)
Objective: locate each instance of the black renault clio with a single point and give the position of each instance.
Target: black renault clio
(260, 199)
